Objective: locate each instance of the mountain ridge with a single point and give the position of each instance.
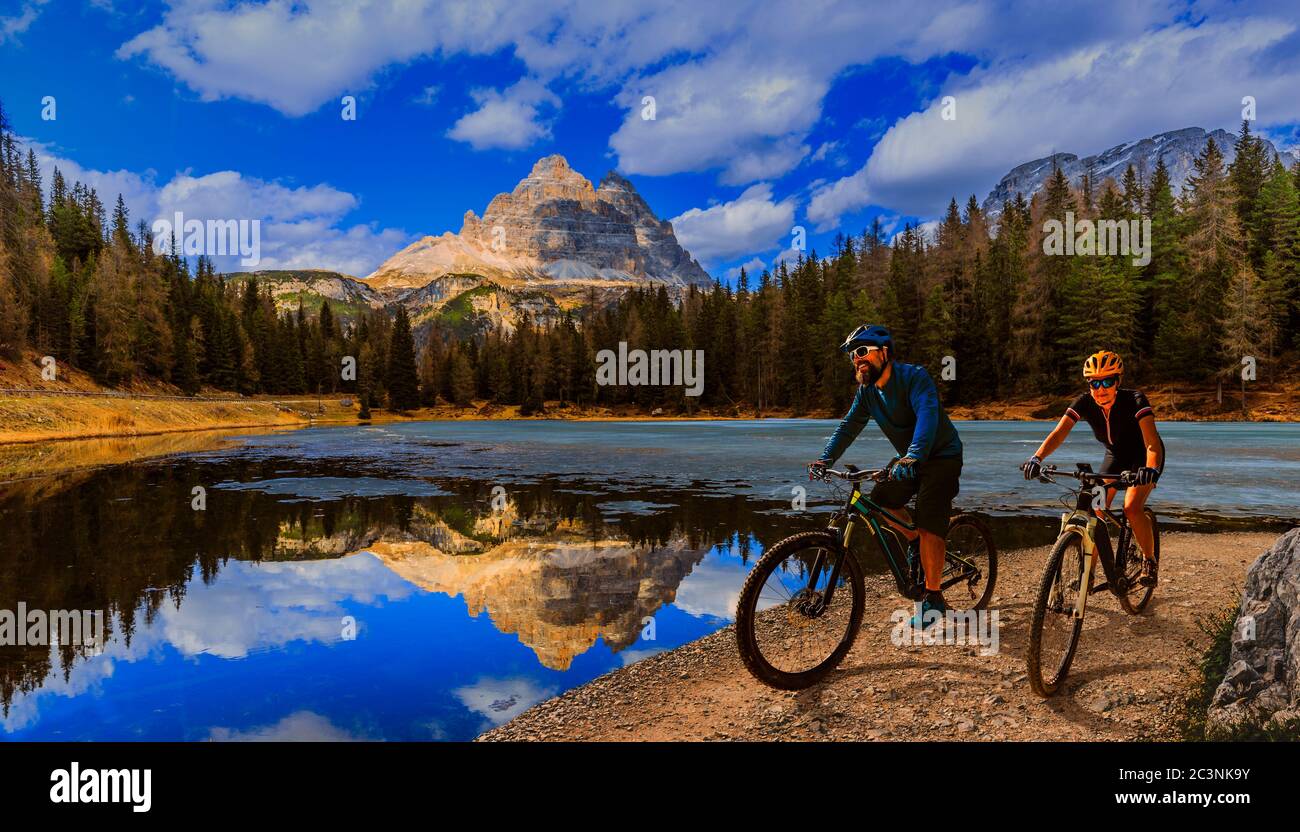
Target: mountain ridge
(1177, 147)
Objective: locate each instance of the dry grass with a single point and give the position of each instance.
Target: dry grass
(38, 418)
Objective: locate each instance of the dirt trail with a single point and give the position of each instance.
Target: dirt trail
(1128, 670)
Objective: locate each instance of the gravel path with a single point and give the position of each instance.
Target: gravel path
(1128, 670)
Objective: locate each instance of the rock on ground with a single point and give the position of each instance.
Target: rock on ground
(1263, 679)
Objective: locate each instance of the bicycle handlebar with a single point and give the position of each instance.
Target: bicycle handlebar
(852, 476)
(1124, 477)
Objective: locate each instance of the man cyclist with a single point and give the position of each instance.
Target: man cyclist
(905, 404)
(1122, 421)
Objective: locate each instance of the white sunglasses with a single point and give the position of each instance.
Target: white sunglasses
(863, 352)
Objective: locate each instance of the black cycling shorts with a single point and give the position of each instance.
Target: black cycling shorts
(937, 483)
(1113, 464)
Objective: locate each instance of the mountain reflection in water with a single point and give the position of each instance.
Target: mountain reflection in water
(280, 558)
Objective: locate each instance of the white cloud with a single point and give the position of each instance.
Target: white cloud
(830, 151)
(301, 227)
(501, 700)
(740, 86)
(725, 113)
(301, 726)
(631, 657)
(927, 231)
(230, 194)
(751, 222)
(511, 119)
(1082, 102)
(788, 256)
(138, 190)
(752, 267)
(255, 607)
(711, 589)
(297, 56)
(11, 26)
(428, 96)
(840, 197)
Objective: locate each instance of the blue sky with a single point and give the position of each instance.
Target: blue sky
(768, 114)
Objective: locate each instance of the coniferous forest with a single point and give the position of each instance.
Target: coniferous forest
(79, 282)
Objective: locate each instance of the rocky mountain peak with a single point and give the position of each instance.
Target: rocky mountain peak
(551, 178)
(553, 227)
(613, 182)
(553, 165)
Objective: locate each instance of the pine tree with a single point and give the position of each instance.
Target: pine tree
(1134, 198)
(115, 300)
(461, 378)
(1214, 254)
(1246, 175)
(1279, 237)
(403, 380)
(1037, 356)
(13, 314)
(1244, 328)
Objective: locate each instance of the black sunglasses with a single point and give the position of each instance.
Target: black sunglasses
(1108, 382)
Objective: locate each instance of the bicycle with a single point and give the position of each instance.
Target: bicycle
(1067, 582)
(796, 587)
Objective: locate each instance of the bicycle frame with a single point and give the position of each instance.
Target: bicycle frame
(862, 509)
(1095, 537)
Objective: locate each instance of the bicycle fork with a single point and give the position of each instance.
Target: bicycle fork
(819, 563)
(1089, 547)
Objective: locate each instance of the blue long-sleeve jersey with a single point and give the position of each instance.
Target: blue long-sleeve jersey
(908, 411)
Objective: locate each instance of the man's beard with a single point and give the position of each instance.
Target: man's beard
(868, 374)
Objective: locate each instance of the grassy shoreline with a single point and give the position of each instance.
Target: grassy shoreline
(37, 418)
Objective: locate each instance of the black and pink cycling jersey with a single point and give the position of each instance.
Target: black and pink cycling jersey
(1120, 432)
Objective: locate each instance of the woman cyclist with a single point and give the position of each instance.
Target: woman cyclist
(1123, 422)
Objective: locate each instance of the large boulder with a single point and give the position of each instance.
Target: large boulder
(1262, 683)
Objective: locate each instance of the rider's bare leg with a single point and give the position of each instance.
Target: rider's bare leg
(932, 546)
(1135, 498)
(902, 514)
(1110, 497)
(1134, 501)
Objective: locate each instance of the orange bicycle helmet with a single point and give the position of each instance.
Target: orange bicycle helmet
(1102, 364)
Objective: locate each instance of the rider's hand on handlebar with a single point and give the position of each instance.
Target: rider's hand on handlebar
(1146, 476)
(817, 469)
(903, 469)
(1033, 467)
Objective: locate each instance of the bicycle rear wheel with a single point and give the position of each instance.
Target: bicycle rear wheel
(1133, 596)
(788, 636)
(970, 567)
(1054, 631)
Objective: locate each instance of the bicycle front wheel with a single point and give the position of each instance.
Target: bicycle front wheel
(1054, 631)
(791, 629)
